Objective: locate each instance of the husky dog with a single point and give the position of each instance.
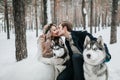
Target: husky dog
(56, 60)
(94, 56)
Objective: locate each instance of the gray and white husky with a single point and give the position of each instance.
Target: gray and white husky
(54, 65)
(94, 56)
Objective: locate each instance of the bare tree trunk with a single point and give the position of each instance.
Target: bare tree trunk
(91, 15)
(6, 19)
(113, 37)
(55, 11)
(31, 17)
(84, 14)
(99, 13)
(99, 20)
(67, 10)
(96, 21)
(11, 18)
(75, 18)
(74, 13)
(42, 13)
(36, 18)
(20, 29)
(106, 18)
(45, 12)
(103, 21)
(4, 23)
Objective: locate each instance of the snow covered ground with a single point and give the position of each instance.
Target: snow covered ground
(30, 68)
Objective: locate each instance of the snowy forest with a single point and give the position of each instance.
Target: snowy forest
(22, 21)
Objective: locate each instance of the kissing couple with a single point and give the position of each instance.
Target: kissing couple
(63, 48)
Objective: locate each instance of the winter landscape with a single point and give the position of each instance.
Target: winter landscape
(28, 19)
(29, 69)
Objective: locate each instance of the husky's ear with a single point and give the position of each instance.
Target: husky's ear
(87, 40)
(100, 40)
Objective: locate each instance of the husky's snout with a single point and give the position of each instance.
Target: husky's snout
(88, 56)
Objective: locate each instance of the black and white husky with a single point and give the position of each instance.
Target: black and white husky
(55, 64)
(94, 56)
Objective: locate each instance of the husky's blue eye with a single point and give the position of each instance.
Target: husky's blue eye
(95, 49)
(100, 49)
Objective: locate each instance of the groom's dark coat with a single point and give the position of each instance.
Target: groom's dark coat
(79, 38)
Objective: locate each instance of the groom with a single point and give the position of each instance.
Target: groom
(74, 41)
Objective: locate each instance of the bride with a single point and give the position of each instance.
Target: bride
(52, 50)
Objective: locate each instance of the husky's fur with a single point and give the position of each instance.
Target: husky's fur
(94, 56)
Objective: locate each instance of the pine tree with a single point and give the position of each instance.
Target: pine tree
(113, 37)
(91, 15)
(20, 29)
(6, 19)
(45, 12)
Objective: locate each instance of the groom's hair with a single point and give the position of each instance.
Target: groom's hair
(67, 24)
